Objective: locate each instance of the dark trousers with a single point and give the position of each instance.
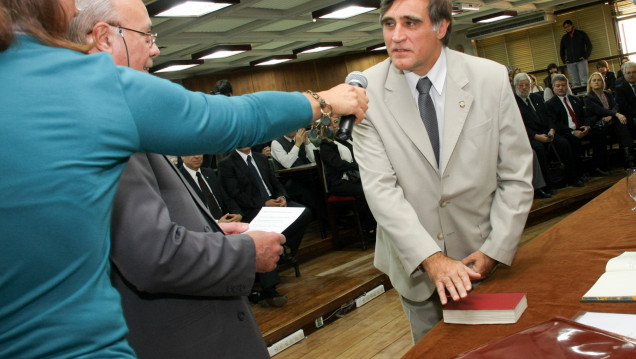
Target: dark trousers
(564, 151)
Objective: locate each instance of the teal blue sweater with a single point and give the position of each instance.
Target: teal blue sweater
(68, 123)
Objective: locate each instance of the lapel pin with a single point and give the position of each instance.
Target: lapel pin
(462, 104)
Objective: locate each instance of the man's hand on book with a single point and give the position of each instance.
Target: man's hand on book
(481, 263)
(449, 274)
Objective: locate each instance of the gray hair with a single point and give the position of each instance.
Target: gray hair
(91, 12)
(520, 77)
(628, 64)
(438, 10)
(559, 77)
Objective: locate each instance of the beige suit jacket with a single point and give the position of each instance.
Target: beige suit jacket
(482, 199)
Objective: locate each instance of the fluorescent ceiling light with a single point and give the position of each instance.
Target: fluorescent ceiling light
(221, 51)
(471, 7)
(321, 46)
(347, 12)
(378, 47)
(346, 9)
(273, 60)
(176, 65)
(495, 17)
(181, 8)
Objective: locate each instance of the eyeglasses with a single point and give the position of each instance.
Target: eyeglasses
(150, 37)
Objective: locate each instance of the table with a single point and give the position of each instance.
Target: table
(301, 168)
(555, 270)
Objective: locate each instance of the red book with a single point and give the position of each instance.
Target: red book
(486, 308)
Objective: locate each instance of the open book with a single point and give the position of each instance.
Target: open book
(486, 308)
(618, 283)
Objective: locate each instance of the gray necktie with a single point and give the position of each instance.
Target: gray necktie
(427, 112)
(529, 103)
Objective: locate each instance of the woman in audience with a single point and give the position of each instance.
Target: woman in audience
(342, 174)
(603, 117)
(534, 85)
(69, 123)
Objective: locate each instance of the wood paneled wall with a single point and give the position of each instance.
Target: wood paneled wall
(316, 75)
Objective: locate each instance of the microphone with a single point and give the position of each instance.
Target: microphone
(356, 78)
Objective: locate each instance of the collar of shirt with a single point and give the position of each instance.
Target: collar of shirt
(437, 75)
(191, 172)
(244, 156)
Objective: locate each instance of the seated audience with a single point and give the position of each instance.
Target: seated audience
(206, 184)
(541, 189)
(248, 179)
(542, 133)
(602, 115)
(342, 174)
(568, 116)
(608, 76)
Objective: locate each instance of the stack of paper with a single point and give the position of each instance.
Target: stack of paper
(618, 283)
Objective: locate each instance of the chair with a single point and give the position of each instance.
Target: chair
(334, 202)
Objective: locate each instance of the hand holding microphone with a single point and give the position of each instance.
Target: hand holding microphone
(356, 78)
(343, 100)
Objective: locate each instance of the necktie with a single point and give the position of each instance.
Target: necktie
(574, 119)
(213, 205)
(529, 103)
(427, 112)
(634, 88)
(259, 181)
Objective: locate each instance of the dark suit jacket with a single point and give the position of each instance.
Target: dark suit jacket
(239, 183)
(334, 165)
(537, 122)
(594, 109)
(626, 99)
(559, 114)
(610, 80)
(228, 205)
(182, 284)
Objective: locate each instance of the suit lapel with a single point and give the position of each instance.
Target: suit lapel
(457, 106)
(399, 102)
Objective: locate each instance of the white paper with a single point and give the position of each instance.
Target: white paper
(614, 284)
(275, 219)
(624, 262)
(623, 324)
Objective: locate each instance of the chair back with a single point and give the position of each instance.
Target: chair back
(321, 172)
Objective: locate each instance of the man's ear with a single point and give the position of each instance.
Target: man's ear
(443, 27)
(103, 37)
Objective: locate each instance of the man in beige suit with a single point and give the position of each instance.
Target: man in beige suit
(445, 162)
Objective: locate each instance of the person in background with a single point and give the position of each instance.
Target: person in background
(342, 173)
(602, 115)
(534, 85)
(446, 167)
(568, 116)
(80, 118)
(608, 76)
(576, 48)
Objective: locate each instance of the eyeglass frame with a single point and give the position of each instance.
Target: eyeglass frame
(153, 37)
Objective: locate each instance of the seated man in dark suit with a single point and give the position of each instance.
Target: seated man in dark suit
(248, 180)
(210, 190)
(568, 116)
(541, 132)
(625, 93)
(224, 209)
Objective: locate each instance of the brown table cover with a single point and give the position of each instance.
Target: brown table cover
(555, 270)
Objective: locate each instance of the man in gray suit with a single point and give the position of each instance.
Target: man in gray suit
(183, 282)
(444, 159)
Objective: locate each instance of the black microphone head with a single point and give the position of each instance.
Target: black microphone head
(357, 78)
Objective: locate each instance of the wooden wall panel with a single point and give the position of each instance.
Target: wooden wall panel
(300, 76)
(330, 72)
(268, 80)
